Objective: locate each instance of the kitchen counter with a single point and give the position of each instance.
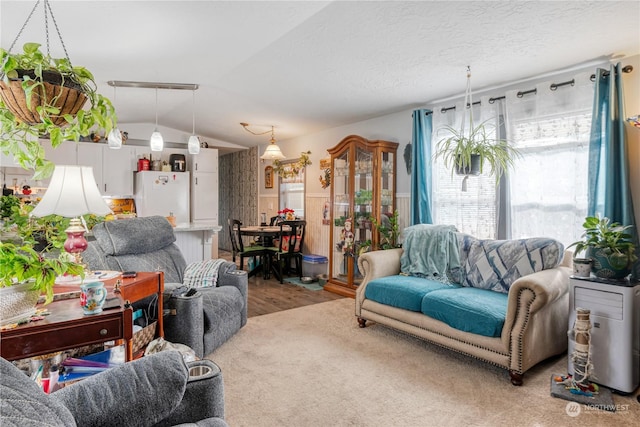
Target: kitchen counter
(197, 226)
(197, 241)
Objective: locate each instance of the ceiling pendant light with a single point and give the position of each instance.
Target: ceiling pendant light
(194, 142)
(156, 142)
(115, 136)
(273, 151)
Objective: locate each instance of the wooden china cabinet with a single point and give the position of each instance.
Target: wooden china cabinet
(363, 185)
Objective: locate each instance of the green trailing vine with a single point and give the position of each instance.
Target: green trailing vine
(289, 170)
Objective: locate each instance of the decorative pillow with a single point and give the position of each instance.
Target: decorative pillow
(496, 264)
(202, 274)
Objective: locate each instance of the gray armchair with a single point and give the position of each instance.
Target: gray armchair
(204, 320)
(157, 390)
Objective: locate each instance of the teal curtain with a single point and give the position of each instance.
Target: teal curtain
(609, 185)
(421, 181)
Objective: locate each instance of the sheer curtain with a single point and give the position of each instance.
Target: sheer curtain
(473, 211)
(548, 187)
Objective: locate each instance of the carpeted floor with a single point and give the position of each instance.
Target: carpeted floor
(313, 366)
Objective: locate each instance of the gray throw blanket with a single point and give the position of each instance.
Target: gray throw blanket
(430, 251)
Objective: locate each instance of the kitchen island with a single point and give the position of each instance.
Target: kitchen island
(197, 241)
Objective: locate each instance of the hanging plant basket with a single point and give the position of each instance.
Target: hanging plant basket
(472, 168)
(62, 94)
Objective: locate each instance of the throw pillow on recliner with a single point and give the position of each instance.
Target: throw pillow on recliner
(496, 264)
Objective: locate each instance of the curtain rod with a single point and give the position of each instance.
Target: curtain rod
(552, 86)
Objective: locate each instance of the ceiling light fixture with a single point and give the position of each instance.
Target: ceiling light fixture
(156, 142)
(115, 136)
(194, 142)
(272, 152)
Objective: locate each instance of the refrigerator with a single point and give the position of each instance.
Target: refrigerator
(162, 193)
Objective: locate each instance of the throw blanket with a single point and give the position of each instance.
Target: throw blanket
(430, 251)
(202, 274)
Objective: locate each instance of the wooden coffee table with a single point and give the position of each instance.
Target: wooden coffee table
(68, 327)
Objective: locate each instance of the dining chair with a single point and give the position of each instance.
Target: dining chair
(238, 248)
(289, 247)
(276, 220)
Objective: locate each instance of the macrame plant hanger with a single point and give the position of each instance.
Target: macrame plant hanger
(468, 104)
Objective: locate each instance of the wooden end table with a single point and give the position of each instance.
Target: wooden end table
(68, 327)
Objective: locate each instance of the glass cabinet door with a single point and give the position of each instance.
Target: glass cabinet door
(362, 204)
(342, 227)
(387, 182)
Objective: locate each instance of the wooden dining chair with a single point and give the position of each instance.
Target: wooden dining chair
(238, 248)
(289, 247)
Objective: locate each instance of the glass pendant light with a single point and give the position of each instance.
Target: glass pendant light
(273, 151)
(156, 142)
(115, 136)
(194, 142)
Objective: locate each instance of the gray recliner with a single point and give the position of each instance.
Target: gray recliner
(156, 390)
(204, 320)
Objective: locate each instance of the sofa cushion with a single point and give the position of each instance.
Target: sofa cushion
(496, 264)
(478, 311)
(402, 291)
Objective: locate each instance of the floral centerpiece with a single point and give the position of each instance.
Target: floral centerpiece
(287, 214)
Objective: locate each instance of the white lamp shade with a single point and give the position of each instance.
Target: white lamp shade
(73, 192)
(156, 142)
(115, 139)
(194, 144)
(272, 153)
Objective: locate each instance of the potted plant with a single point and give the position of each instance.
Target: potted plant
(608, 245)
(24, 275)
(34, 94)
(389, 232)
(466, 153)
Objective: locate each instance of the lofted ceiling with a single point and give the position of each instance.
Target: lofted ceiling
(304, 66)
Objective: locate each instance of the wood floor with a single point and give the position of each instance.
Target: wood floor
(269, 296)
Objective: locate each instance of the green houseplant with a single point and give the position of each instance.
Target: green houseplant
(466, 153)
(24, 275)
(608, 245)
(34, 104)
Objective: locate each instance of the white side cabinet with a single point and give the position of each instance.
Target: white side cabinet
(204, 185)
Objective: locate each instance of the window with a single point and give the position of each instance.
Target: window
(291, 193)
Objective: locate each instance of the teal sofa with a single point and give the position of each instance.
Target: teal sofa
(503, 302)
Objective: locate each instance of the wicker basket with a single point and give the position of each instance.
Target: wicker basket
(68, 100)
(143, 337)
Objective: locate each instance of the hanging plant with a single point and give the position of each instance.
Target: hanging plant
(42, 97)
(289, 170)
(465, 150)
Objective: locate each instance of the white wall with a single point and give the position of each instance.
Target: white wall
(397, 128)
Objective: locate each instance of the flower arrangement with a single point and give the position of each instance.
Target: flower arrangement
(288, 214)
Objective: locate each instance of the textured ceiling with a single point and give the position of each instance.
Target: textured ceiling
(305, 66)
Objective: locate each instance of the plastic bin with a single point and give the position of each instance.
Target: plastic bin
(314, 265)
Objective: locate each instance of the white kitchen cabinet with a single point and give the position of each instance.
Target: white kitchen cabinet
(7, 161)
(63, 154)
(112, 169)
(205, 161)
(204, 185)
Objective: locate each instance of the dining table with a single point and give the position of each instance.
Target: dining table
(267, 234)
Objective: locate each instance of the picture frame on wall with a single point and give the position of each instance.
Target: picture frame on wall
(268, 177)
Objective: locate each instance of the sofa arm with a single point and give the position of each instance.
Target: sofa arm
(377, 264)
(184, 318)
(229, 275)
(537, 317)
(138, 393)
(203, 397)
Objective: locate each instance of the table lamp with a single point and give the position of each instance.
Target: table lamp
(72, 192)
